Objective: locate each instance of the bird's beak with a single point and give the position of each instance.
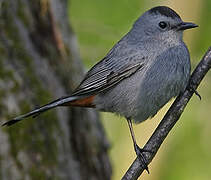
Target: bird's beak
(186, 25)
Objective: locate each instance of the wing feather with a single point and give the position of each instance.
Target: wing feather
(116, 66)
(104, 79)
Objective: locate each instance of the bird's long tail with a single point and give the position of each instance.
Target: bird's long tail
(65, 101)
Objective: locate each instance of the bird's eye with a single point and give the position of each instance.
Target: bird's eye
(162, 24)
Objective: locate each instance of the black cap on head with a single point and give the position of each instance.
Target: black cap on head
(165, 11)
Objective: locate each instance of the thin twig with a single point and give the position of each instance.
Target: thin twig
(170, 118)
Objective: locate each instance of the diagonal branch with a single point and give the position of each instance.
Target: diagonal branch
(170, 119)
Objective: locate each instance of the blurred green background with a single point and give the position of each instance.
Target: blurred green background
(185, 154)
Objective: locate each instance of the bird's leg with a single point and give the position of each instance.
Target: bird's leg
(139, 151)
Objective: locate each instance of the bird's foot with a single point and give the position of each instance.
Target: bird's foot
(190, 88)
(197, 94)
(139, 152)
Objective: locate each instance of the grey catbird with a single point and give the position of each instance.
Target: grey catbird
(139, 75)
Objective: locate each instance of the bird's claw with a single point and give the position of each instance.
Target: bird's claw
(139, 152)
(197, 94)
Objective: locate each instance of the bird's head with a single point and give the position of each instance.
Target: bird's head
(161, 22)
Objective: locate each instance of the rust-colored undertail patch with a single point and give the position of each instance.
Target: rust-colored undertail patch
(84, 102)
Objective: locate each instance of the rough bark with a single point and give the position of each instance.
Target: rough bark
(39, 62)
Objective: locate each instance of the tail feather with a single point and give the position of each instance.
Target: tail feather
(36, 112)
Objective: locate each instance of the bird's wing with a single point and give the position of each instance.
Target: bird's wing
(108, 72)
(118, 64)
(99, 78)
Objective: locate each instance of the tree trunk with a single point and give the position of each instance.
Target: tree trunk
(39, 62)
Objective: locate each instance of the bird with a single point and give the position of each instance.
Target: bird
(145, 69)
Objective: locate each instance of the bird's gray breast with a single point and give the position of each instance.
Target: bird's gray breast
(165, 78)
